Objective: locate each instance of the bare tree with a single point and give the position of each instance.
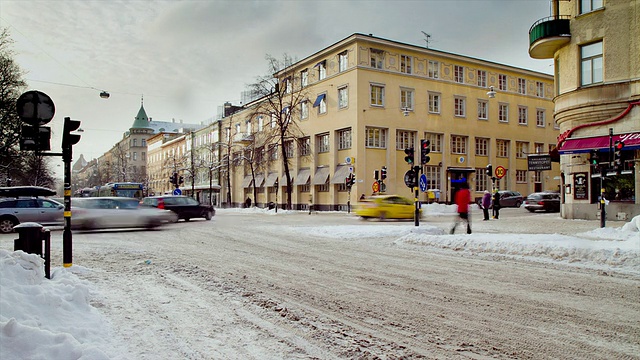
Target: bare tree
(282, 95)
(120, 161)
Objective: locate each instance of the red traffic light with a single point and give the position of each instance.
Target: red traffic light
(619, 145)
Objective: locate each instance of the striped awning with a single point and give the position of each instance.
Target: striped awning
(321, 176)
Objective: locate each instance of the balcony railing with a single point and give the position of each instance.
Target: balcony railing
(547, 35)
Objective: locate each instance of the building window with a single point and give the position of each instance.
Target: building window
(482, 78)
(482, 147)
(144, 156)
(377, 95)
(304, 110)
(591, 63)
(304, 188)
(287, 85)
(433, 177)
(135, 142)
(342, 61)
(459, 106)
(273, 152)
(522, 86)
(458, 144)
(405, 64)
(436, 141)
(521, 176)
(405, 139)
(522, 149)
(343, 97)
(483, 105)
(481, 180)
(458, 74)
(322, 70)
(304, 78)
(288, 148)
(503, 112)
(323, 142)
(304, 146)
(322, 107)
(539, 89)
(247, 124)
(144, 142)
(539, 148)
(590, 5)
(502, 82)
(376, 138)
(377, 58)
(522, 115)
(135, 156)
(406, 99)
(324, 187)
(540, 117)
(502, 148)
(344, 139)
(434, 103)
(434, 69)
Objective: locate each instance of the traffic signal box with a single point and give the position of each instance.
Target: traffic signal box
(489, 170)
(410, 155)
(594, 159)
(383, 173)
(350, 180)
(617, 156)
(425, 149)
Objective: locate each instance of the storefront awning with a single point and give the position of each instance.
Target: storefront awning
(259, 181)
(321, 176)
(271, 179)
(340, 175)
(246, 181)
(584, 145)
(303, 177)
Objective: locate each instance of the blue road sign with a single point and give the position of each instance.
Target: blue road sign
(423, 182)
(177, 192)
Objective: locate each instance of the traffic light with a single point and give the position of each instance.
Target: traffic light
(489, 170)
(425, 149)
(69, 139)
(617, 155)
(409, 157)
(594, 158)
(383, 173)
(376, 176)
(350, 180)
(172, 178)
(181, 180)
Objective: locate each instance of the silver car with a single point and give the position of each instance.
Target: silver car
(14, 211)
(92, 213)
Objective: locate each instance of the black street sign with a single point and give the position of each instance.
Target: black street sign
(539, 162)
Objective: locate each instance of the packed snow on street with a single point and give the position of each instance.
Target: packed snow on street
(324, 286)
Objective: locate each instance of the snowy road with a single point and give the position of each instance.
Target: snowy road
(258, 286)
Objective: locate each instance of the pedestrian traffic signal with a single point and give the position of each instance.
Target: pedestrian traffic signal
(350, 180)
(489, 170)
(594, 158)
(409, 157)
(425, 149)
(172, 178)
(383, 173)
(617, 155)
(69, 139)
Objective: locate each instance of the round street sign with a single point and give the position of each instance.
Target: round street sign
(500, 172)
(35, 108)
(410, 178)
(423, 182)
(375, 187)
(177, 192)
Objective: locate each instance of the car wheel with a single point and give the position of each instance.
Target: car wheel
(518, 203)
(531, 210)
(382, 216)
(187, 219)
(208, 215)
(7, 224)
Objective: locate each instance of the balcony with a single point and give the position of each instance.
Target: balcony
(548, 35)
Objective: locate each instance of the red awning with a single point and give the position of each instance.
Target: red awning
(582, 145)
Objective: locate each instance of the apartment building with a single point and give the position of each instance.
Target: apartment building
(595, 45)
(366, 99)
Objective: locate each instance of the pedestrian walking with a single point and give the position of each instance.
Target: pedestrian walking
(496, 204)
(486, 204)
(463, 199)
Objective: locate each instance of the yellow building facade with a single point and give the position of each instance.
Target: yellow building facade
(596, 50)
(367, 99)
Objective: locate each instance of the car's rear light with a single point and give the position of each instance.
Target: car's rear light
(160, 204)
(540, 202)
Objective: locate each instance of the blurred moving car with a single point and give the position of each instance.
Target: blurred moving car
(386, 207)
(510, 198)
(543, 201)
(184, 206)
(93, 213)
(14, 211)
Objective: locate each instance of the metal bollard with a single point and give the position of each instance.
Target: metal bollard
(30, 237)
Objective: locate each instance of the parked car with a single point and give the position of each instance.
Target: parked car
(510, 198)
(14, 211)
(543, 201)
(92, 213)
(184, 206)
(386, 207)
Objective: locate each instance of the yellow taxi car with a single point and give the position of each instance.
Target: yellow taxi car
(386, 207)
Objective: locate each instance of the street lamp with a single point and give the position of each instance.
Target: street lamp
(491, 93)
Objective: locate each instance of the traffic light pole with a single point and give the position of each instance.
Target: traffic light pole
(603, 212)
(67, 242)
(416, 200)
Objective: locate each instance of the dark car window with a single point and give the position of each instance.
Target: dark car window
(48, 204)
(127, 204)
(171, 201)
(191, 201)
(26, 204)
(8, 204)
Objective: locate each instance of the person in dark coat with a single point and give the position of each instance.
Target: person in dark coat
(486, 204)
(463, 199)
(496, 205)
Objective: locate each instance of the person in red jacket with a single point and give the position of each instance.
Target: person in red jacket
(463, 199)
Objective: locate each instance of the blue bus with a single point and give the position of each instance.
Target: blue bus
(120, 189)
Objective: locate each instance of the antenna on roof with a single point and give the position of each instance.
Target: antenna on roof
(427, 38)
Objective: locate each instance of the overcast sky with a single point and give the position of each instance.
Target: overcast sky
(189, 57)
